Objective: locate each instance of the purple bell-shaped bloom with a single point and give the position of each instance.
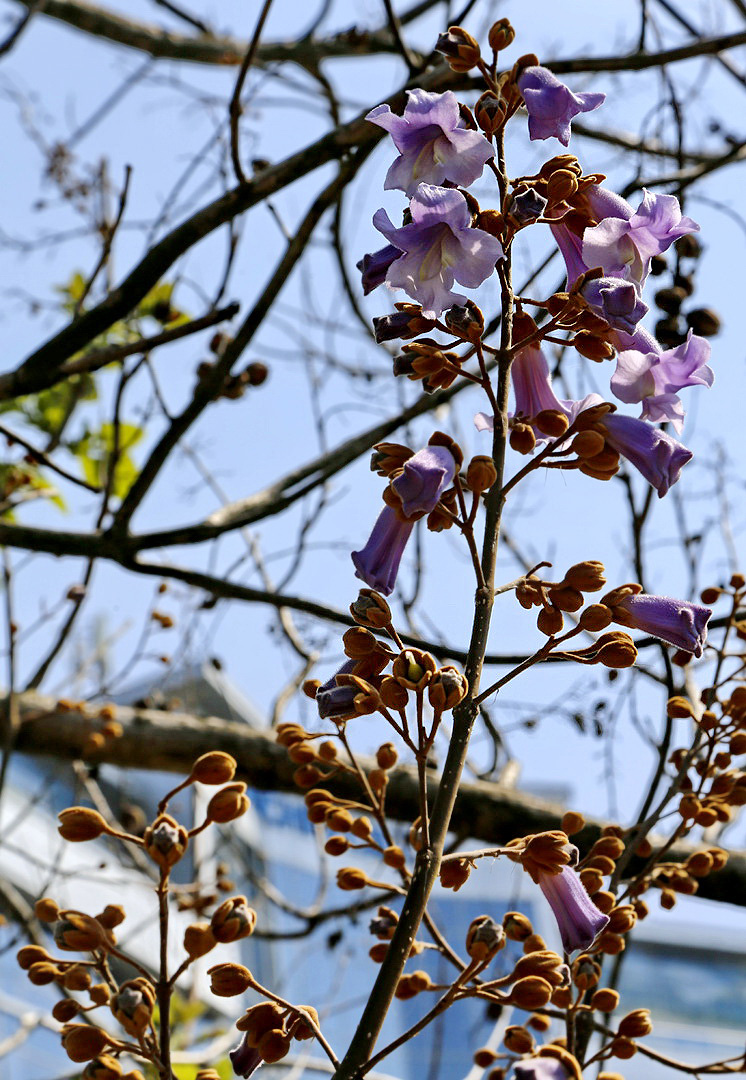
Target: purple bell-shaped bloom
(653, 453)
(245, 1059)
(647, 374)
(422, 481)
(578, 918)
(540, 1068)
(433, 142)
(335, 701)
(375, 266)
(615, 300)
(551, 105)
(439, 248)
(678, 622)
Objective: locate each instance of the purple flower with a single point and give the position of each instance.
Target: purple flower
(375, 266)
(334, 701)
(433, 143)
(551, 105)
(677, 622)
(244, 1058)
(625, 241)
(615, 300)
(377, 564)
(420, 484)
(646, 374)
(655, 454)
(439, 247)
(540, 1068)
(532, 384)
(578, 918)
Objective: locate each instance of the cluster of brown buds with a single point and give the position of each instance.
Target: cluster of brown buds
(132, 1002)
(554, 599)
(269, 1027)
(103, 725)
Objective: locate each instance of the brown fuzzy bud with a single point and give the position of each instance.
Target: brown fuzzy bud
(350, 878)
(214, 767)
(562, 184)
(229, 803)
(112, 916)
(490, 113)
(99, 994)
(336, 845)
(522, 438)
(273, 1045)
(605, 1000)
(81, 1042)
(306, 776)
(387, 755)
(531, 993)
(79, 823)
(362, 828)
(165, 841)
(31, 954)
(76, 932)
(481, 473)
(636, 1025)
(552, 422)
(622, 919)
(76, 977)
(595, 617)
(370, 609)
(377, 953)
(65, 1010)
(588, 444)
(233, 920)
(394, 857)
(534, 943)
(454, 873)
(572, 822)
(460, 49)
(549, 621)
(586, 576)
(585, 972)
(604, 901)
(103, 1067)
(484, 1057)
(42, 972)
(609, 943)
(566, 598)
(539, 1022)
(378, 779)
(484, 938)
(623, 1048)
(517, 926)
(465, 320)
(592, 880)
(518, 1040)
(47, 910)
(719, 858)
(229, 980)
(609, 846)
(132, 1006)
(393, 694)
(301, 1028)
(501, 35)
(447, 688)
(592, 347)
(542, 962)
(679, 708)
(703, 321)
(546, 852)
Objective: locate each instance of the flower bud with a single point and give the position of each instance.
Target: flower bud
(259, 1019)
(31, 954)
(518, 1040)
(81, 1042)
(447, 688)
(362, 828)
(595, 617)
(623, 1048)
(484, 1057)
(460, 49)
(466, 321)
(679, 708)
(165, 841)
(605, 1000)
(393, 694)
(414, 668)
(384, 924)
(214, 768)
(301, 1028)
(229, 980)
(77, 977)
(339, 818)
(336, 845)
(103, 1067)
(546, 852)
(394, 857)
(481, 473)
(484, 938)
(585, 972)
(65, 1010)
(531, 993)
(572, 822)
(387, 756)
(622, 919)
(79, 823)
(228, 804)
(501, 35)
(454, 873)
(75, 932)
(132, 1006)
(112, 916)
(552, 422)
(586, 576)
(273, 1045)
(517, 926)
(566, 598)
(47, 910)
(636, 1025)
(522, 438)
(549, 621)
(100, 994)
(42, 972)
(233, 920)
(350, 878)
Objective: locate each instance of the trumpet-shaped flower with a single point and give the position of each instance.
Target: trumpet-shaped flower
(434, 144)
(439, 247)
(677, 622)
(616, 300)
(653, 453)
(245, 1059)
(578, 918)
(375, 265)
(647, 374)
(551, 105)
(422, 481)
